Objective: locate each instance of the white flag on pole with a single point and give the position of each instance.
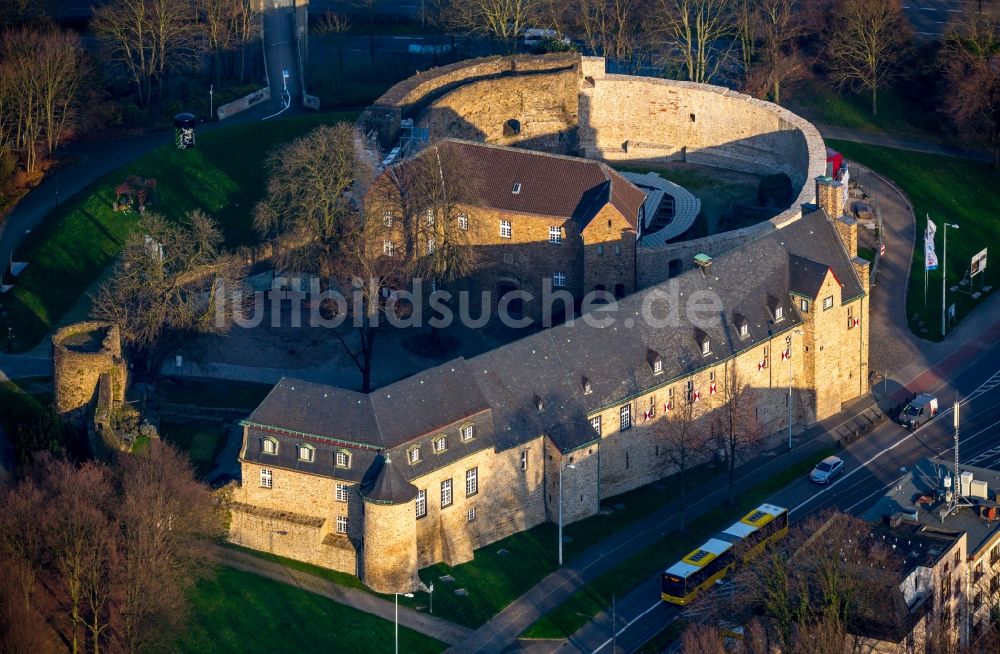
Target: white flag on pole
(930, 256)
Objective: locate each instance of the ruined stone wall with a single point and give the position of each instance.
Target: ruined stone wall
(409, 97)
(81, 353)
(508, 500)
(544, 106)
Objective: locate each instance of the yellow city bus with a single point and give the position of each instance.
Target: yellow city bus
(718, 556)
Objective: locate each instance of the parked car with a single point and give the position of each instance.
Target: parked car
(827, 469)
(536, 35)
(918, 411)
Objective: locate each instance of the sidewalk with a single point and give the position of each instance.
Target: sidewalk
(436, 628)
(501, 631)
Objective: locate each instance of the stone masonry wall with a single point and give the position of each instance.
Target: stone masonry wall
(77, 371)
(508, 500)
(390, 552)
(544, 105)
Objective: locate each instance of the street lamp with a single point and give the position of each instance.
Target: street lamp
(568, 466)
(944, 276)
(788, 357)
(397, 616)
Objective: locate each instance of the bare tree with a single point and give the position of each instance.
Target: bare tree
(740, 430)
(166, 286)
(504, 20)
(775, 59)
(609, 28)
(309, 197)
(698, 34)
(971, 62)
(228, 26)
(683, 444)
(337, 26)
(149, 39)
(868, 40)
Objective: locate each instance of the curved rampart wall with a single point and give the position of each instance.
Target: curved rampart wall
(545, 106)
(409, 97)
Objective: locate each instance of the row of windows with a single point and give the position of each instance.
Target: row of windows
(471, 488)
(305, 452)
(461, 219)
(440, 443)
(625, 411)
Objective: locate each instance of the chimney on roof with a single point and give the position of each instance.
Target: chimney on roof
(704, 262)
(830, 196)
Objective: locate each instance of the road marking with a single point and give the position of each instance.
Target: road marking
(630, 623)
(941, 414)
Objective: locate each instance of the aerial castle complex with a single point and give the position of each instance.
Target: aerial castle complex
(434, 466)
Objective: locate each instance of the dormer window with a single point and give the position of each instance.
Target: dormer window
(539, 403)
(778, 314)
(655, 361)
(440, 444)
(517, 188)
(268, 445)
(307, 453)
(588, 388)
(706, 347)
(414, 455)
(468, 431)
(774, 306)
(342, 458)
(744, 330)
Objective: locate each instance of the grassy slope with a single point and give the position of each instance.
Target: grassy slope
(950, 190)
(238, 612)
(623, 578)
(224, 176)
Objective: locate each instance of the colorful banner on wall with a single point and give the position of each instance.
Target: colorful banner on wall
(930, 256)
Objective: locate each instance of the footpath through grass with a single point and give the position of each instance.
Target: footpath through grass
(596, 596)
(951, 190)
(224, 176)
(238, 612)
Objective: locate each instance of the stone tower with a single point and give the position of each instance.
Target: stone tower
(87, 358)
(390, 530)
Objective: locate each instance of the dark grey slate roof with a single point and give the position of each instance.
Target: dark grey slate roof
(323, 460)
(319, 410)
(384, 484)
(813, 237)
(805, 277)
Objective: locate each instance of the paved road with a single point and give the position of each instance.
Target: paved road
(930, 17)
(913, 145)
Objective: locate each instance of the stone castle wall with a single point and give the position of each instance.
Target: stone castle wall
(390, 554)
(81, 353)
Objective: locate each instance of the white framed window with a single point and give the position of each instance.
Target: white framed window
(307, 453)
(446, 493)
(341, 524)
(468, 432)
(471, 514)
(524, 459)
(265, 478)
(804, 305)
(670, 393)
(430, 245)
(517, 188)
(471, 481)
(706, 347)
(505, 229)
(827, 302)
(779, 314)
(268, 446)
(387, 218)
(388, 248)
(341, 492)
(414, 455)
(744, 330)
(440, 444)
(625, 416)
(689, 390)
(558, 279)
(658, 367)
(421, 502)
(595, 422)
(588, 388)
(711, 376)
(342, 459)
(430, 216)
(555, 234)
(463, 222)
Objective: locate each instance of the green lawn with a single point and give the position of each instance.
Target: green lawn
(951, 190)
(224, 176)
(201, 440)
(240, 612)
(207, 392)
(623, 578)
(897, 115)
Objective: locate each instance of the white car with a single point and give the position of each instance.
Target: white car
(826, 470)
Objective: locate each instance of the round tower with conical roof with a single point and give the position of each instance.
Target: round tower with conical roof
(390, 530)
